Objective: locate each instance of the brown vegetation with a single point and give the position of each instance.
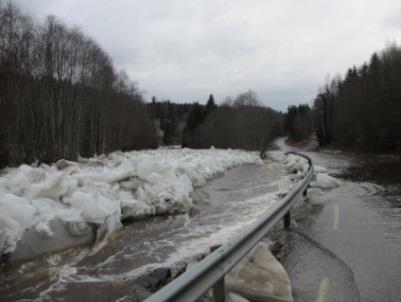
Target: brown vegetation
(60, 96)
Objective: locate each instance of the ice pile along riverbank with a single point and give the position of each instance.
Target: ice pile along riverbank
(104, 190)
(299, 166)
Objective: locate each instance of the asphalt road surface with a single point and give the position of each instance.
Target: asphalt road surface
(347, 244)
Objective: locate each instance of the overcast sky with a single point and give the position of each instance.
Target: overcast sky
(184, 50)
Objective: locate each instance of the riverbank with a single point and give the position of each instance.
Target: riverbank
(45, 208)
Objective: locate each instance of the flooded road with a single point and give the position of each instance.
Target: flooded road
(163, 245)
(347, 248)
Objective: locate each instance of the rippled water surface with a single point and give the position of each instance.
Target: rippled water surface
(225, 206)
(361, 256)
(352, 238)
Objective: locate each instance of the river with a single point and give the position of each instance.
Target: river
(147, 253)
(345, 244)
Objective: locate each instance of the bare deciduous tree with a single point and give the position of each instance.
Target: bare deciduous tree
(60, 96)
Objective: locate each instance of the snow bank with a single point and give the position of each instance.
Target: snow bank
(105, 189)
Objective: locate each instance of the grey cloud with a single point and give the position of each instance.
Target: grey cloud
(393, 18)
(184, 50)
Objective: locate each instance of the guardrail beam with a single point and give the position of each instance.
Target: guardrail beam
(209, 273)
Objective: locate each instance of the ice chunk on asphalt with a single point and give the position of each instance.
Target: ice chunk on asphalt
(319, 169)
(325, 181)
(260, 277)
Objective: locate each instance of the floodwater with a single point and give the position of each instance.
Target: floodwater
(347, 247)
(121, 270)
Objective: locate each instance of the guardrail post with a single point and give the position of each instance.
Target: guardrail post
(287, 220)
(201, 278)
(219, 288)
(219, 291)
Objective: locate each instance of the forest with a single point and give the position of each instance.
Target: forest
(240, 122)
(60, 95)
(169, 119)
(363, 110)
(360, 112)
(298, 122)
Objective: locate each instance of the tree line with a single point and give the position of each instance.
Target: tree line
(170, 118)
(60, 95)
(298, 122)
(360, 111)
(240, 122)
(363, 109)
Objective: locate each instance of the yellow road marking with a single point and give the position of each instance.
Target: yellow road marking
(322, 293)
(336, 217)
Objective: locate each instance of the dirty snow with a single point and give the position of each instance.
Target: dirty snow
(120, 185)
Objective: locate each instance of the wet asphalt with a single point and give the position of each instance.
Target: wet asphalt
(346, 245)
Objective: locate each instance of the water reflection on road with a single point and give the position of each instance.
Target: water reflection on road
(346, 246)
(353, 238)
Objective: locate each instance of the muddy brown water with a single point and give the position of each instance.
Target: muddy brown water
(146, 254)
(362, 258)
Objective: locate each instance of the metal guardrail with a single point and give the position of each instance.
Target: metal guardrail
(209, 272)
